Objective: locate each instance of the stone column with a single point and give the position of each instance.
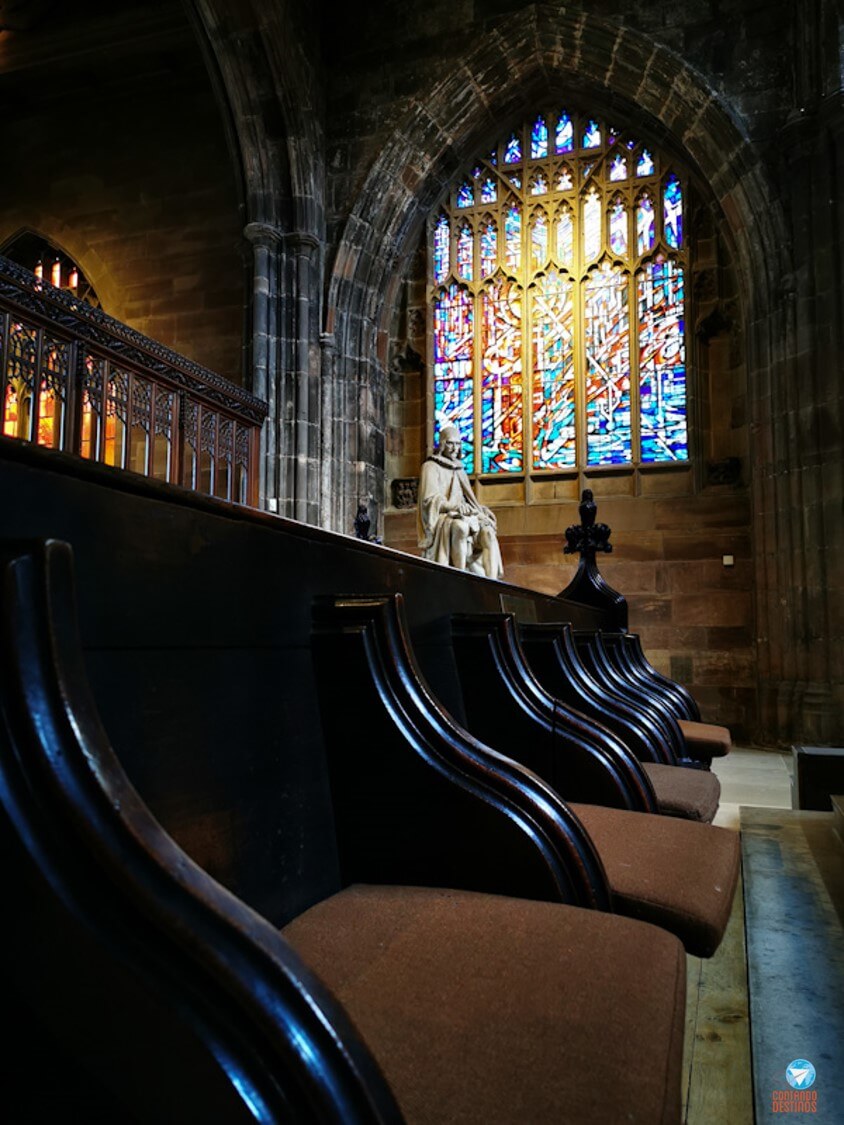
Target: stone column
(303, 249)
(266, 242)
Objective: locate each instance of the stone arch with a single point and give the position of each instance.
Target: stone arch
(268, 93)
(544, 47)
(71, 242)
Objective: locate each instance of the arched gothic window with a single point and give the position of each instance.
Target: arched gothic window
(557, 285)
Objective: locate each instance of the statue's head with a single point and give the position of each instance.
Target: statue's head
(450, 443)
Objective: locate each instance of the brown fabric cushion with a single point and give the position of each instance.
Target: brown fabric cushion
(689, 793)
(484, 1009)
(714, 741)
(671, 872)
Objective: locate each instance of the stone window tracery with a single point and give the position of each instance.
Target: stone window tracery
(557, 289)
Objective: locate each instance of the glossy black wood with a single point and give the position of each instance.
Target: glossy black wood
(554, 660)
(195, 618)
(649, 700)
(683, 702)
(589, 587)
(599, 669)
(509, 709)
(416, 794)
(161, 983)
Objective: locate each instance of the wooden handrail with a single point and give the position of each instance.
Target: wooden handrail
(75, 379)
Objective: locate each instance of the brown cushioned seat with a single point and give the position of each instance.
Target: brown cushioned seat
(671, 872)
(712, 740)
(688, 793)
(482, 1009)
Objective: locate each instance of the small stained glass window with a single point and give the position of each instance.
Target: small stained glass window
(488, 247)
(489, 192)
(618, 168)
(539, 139)
(618, 227)
(539, 184)
(591, 135)
(564, 179)
(539, 241)
(513, 150)
(442, 240)
(673, 212)
(644, 225)
(465, 194)
(465, 248)
(645, 164)
(564, 141)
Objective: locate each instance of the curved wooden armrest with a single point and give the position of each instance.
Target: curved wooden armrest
(179, 992)
(510, 709)
(417, 799)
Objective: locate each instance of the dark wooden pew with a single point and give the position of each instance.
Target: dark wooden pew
(673, 872)
(509, 708)
(165, 997)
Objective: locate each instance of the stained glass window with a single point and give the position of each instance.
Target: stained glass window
(539, 240)
(673, 213)
(557, 293)
(607, 343)
(618, 227)
(662, 362)
(553, 401)
(453, 362)
(442, 239)
(501, 378)
(539, 139)
(488, 247)
(465, 248)
(513, 150)
(565, 133)
(644, 225)
(513, 236)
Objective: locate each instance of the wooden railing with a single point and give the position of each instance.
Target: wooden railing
(76, 380)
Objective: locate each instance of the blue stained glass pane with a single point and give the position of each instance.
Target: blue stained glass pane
(513, 150)
(673, 213)
(607, 341)
(618, 227)
(489, 192)
(516, 181)
(564, 141)
(644, 225)
(513, 237)
(493, 158)
(539, 184)
(552, 319)
(442, 240)
(502, 439)
(645, 165)
(476, 171)
(453, 381)
(488, 248)
(591, 135)
(539, 139)
(618, 168)
(465, 194)
(662, 363)
(465, 248)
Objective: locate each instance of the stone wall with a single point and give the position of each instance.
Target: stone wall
(116, 152)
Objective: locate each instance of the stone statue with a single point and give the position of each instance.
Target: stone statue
(454, 529)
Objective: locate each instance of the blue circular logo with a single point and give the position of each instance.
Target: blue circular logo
(800, 1074)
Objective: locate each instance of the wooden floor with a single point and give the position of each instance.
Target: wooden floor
(718, 1082)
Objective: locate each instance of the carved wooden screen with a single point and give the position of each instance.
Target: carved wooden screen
(557, 287)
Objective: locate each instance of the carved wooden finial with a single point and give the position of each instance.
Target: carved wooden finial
(587, 536)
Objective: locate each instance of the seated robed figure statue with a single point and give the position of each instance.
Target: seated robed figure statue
(454, 528)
